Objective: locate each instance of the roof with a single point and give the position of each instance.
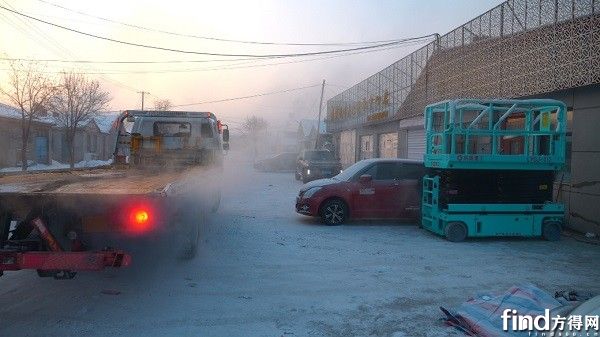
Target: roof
(170, 113)
(8, 111)
(396, 160)
(107, 121)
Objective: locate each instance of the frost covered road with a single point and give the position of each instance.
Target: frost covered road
(263, 270)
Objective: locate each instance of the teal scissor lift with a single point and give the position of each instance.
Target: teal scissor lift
(491, 165)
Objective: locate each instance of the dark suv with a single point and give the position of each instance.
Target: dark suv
(317, 164)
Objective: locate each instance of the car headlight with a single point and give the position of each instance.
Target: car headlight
(311, 191)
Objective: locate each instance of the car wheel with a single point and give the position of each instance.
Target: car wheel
(456, 231)
(551, 231)
(334, 212)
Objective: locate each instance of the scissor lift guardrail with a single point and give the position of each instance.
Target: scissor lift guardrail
(472, 134)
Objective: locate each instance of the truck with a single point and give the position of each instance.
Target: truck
(491, 166)
(161, 184)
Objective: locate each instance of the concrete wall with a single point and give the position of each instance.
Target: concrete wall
(579, 188)
(584, 189)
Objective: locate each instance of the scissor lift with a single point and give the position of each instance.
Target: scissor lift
(491, 168)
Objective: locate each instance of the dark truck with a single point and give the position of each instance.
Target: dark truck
(316, 164)
(162, 183)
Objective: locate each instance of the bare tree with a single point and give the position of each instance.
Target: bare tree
(29, 90)
(77, 100)
(253, 126)
(162, 105)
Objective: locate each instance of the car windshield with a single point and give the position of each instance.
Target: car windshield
(351, 171)
(318, 155)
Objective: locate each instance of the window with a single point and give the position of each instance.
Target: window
(366, 147)
(386, 171)
(172, 129)
(411, 171)
(318, 155)
(371, 170)
(206, 130)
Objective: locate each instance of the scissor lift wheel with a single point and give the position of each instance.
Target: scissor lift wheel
(456, 231)
(551, 230)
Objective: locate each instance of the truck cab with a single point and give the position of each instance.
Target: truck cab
(170, 139)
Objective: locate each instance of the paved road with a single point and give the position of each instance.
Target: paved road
(263, 270)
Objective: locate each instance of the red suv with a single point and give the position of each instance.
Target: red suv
(371, 188)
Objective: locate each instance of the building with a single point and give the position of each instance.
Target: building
(94, 140)
(519, 49)
(10, 138)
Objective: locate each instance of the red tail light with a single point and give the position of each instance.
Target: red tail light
(140, 220)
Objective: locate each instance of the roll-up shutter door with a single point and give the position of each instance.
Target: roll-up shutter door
(416, 144)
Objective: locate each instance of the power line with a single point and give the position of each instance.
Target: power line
(200, 61)
(60, 48)
(250, 96)
(214, 38)
(238, 66)
(206, 53)
(124, 62)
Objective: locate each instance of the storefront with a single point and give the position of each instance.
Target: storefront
(347, 147)
(366, 147)
(388, 145)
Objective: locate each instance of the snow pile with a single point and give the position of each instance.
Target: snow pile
(58, 165)
(92, 163)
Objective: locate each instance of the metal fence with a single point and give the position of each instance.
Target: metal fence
(519, 48)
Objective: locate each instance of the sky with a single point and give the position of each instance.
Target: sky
(288, 21)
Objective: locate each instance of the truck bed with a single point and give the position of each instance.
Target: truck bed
(104, 181)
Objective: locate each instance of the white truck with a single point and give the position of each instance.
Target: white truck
(162, 183)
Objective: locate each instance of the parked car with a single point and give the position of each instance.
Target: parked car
(316, 164)
(283, 162)
(371, 188)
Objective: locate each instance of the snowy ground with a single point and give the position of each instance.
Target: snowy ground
(263, 270)
(58, 165)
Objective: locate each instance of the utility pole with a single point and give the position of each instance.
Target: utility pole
(143, 93)
(319, 120)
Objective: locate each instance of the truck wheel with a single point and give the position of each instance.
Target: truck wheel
(5, 219)
(456, 231)
(334, 212)
(551, 230)
(216, 203)
(189, 243)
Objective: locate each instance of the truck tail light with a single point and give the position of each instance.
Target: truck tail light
(140, 220)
